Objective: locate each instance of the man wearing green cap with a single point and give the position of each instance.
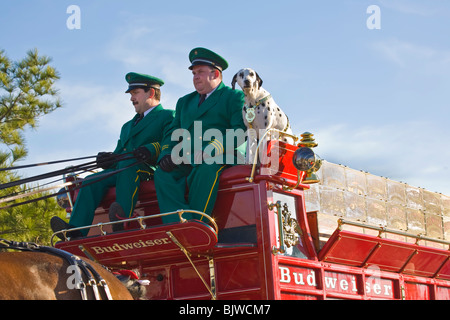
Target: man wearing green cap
(140, 138)
(212, 107)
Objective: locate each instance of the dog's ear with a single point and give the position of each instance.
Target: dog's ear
(260, 82)
(233, 82)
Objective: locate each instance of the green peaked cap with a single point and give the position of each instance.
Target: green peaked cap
(140, 80)
(203, 56)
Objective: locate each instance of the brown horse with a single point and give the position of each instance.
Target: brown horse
(32, 275)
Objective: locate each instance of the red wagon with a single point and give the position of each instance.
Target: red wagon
(261, 243)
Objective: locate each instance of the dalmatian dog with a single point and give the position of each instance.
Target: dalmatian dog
(260, 111)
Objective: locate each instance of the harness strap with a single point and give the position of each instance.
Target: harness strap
(100, 281)
(91, 274)
(93, 277)
(22, 246)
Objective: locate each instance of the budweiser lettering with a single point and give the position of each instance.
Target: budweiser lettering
(336, 281)
(132, 245)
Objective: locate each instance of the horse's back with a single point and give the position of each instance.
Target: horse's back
(27, 276)
(42, 276)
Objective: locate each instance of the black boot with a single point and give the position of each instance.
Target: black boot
(58, 224)
(116, 213)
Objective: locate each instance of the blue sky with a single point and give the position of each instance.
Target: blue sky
(376, 99)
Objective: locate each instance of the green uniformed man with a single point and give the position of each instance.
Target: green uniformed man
(206, 120)
(141, 136)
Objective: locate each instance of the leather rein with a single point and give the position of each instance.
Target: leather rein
(94, 280)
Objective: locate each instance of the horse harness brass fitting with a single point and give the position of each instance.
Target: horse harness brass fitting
(94, 280)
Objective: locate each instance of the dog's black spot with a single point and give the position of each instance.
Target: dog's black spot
(265, 124)
(241, 75)
(278, 109)
(265, 117)
(245, 109)
(280, 115)
(268, 109)
(257, 107)
(263, 104)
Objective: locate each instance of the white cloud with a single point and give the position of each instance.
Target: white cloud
(104, 108)
(427, 9)
(415, 58)
(159, 49)
(89, 122)
(412, 152)
(403, 53)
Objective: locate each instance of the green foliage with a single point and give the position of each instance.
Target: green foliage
(30, 222)
(26, 93)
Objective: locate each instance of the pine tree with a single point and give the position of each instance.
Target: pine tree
(26, 93)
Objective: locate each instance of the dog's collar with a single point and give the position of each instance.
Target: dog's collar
(250, 114)
(259, 102)
(263, 100)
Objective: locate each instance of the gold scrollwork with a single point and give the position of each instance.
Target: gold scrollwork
(291, 228)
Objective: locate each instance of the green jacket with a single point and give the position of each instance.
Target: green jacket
(207, 127)
(148, 132)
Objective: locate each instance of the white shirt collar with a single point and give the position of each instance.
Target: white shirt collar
(208, 94)
(148, 111)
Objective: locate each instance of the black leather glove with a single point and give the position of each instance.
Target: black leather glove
(105, 160)
(142, 153)
(166, 163)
